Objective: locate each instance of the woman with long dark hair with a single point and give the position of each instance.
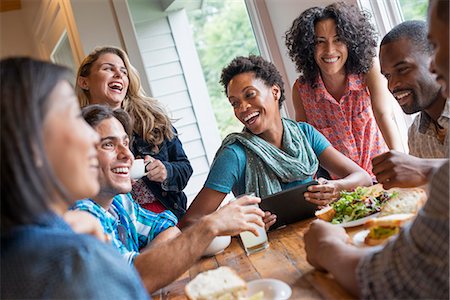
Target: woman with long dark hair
(49, 160)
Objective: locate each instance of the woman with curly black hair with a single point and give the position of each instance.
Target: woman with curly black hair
(341, 91)
(272, 153)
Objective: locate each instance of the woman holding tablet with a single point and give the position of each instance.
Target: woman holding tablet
(271, 153)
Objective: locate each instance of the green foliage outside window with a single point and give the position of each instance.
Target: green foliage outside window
(414, 9)
(222, 31)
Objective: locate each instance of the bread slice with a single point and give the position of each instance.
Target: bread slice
(221, 283)
(327, 213)
(383, 228)
(407, 201)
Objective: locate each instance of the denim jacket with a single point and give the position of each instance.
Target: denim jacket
(171, 154)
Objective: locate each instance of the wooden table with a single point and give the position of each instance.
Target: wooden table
(285, 259)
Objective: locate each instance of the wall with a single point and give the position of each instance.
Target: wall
(15, 35)
(176, 80)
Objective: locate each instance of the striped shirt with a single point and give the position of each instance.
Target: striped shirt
(130, 227)
(415, 264)
(427, 138)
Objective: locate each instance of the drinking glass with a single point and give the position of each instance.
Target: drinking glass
(251, 242)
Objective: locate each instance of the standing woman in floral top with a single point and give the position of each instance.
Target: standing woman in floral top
(341, 91)
(106, 76)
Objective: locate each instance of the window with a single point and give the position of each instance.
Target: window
(62, 54)
(414, 9)
(222, 31)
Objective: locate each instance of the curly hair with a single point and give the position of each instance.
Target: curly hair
(264, 70)
(149, 117)
(352, 27)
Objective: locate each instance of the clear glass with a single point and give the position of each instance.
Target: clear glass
(251, 242)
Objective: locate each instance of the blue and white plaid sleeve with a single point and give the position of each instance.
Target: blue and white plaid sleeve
(149, 224)
(416, 264)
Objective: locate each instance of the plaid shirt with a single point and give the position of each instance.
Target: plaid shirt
(130, 227)
(415, 265)
(423, 137)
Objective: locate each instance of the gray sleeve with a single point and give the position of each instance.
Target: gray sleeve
(97, 272)
(415, 265)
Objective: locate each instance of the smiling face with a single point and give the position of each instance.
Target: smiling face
(70, 144)
(115, 159)
(330, 52)
(107, 82)
(409, 80)
(255, 104)
(438, 36)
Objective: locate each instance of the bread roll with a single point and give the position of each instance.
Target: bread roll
(327, 213)
(221, 283)
(408, 201)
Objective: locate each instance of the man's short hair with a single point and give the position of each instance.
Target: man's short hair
(414, 31)
(94, 114)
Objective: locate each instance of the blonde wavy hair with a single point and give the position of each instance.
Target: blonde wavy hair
(150, 119)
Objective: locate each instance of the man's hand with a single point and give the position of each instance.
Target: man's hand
(318, 237)
(84, 223)
(156, 169)
(323, 193)
(237, 216)
(396, 169)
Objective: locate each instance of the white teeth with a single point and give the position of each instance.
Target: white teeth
(116, 85)
(331, 60)
(251, 116)
(402, 95)
(120, 170)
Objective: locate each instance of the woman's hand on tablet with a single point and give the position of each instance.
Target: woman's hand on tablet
(269, 219)
(323, 193)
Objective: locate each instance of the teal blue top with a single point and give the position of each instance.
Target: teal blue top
(228, 170)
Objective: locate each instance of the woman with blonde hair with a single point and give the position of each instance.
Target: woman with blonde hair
(106, 76)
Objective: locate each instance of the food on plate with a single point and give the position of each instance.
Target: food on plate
(222, 283)
(381, 229)
(360, 203)
(408, 201)
(327, 213)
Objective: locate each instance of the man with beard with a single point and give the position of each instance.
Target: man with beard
(405, 56)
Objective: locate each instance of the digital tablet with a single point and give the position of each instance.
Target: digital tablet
(289, 205)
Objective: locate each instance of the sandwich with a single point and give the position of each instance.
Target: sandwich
(408, 201)
(383, 228)
(222, 283)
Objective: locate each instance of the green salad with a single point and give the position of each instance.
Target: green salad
(358, 204)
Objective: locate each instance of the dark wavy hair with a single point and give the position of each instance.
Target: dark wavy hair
(96, 113)
(264, 70)
(353, 28)
(28, 182)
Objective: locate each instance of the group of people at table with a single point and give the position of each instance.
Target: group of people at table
(74, 225)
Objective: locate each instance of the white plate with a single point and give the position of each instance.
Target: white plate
(357, 222)
(358, 238)
(272, 289)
